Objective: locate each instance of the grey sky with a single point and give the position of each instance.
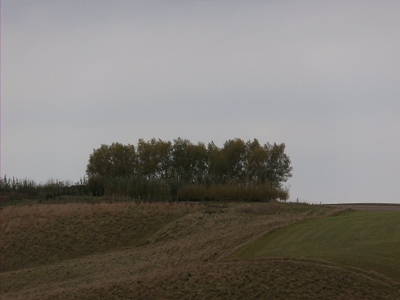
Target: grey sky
(321, 76)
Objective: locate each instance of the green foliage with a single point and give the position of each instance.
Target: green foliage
(254, 171)
(20, 186)
(96, 185)
(234, 157)
(189, 161)
(158, 169)
(223, 192)
(278, 167)
(138, 188)
(17, 189)
(154, 159)
(217, 166)
(111, 161)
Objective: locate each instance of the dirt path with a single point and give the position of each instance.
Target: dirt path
(383, 207)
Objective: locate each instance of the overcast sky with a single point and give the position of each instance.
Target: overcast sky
(323, 77)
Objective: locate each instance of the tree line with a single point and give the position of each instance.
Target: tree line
(15, 188)
(160, 169)
(164, 170)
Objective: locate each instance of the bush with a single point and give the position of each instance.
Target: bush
(256, 193)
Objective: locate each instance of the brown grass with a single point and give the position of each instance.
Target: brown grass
(42, 234)
(268, 279)
(175, 251)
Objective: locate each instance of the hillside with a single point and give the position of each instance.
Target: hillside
(360, 239)
(166, 251)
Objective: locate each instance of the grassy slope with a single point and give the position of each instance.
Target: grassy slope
(367, 240)
(178, 257)
(42, 234)
(237, 280)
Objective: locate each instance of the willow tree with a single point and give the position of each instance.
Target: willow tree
(154, 159)
(109, 162)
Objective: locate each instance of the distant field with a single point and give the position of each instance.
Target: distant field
(362, 239)
(368, 206)
(180, 251)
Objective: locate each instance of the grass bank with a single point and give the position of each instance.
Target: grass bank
(366, 240)
(34, 235)
(165, 251)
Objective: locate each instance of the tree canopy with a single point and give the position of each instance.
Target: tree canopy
(178, 163)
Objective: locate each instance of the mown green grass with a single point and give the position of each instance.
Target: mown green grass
(366, 240)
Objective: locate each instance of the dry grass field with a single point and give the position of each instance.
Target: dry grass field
(166, 251)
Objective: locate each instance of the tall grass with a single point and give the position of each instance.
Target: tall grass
(40, 234)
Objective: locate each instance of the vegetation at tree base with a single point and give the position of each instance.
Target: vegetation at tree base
(159, 169)
(17, 189)
(231, 192)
